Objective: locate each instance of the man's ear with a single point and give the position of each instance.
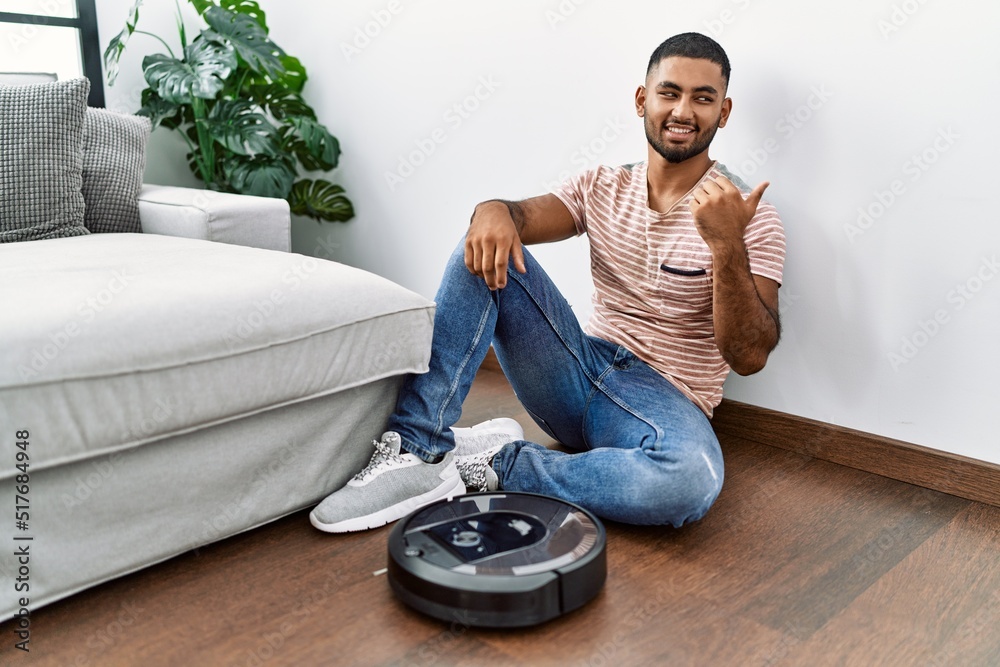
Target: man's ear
(640, 101)
(727, 108)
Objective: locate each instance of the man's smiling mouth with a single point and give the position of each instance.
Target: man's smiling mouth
(680, 131)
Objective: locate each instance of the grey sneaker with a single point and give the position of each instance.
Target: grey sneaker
(392, 485)
(475, 447)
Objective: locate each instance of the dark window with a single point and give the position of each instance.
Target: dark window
(52, 36)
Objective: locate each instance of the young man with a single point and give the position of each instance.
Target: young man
(686, 273)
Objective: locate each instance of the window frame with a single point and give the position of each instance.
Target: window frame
(90, 43)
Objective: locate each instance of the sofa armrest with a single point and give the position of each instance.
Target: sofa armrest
(259, 222)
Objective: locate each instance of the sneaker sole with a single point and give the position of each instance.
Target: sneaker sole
(498, 425)
(503, 425)
(446, 491)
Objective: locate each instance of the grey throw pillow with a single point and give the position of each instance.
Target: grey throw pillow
(114, 158)
(41, 160)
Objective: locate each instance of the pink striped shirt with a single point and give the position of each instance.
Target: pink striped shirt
(653, 273)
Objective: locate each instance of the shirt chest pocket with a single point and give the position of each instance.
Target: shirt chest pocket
(685, 291)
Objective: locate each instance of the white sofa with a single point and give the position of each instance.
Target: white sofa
(179, 386)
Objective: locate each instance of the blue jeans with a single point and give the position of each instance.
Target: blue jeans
(644, 453)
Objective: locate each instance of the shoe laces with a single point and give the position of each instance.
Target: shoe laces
(473, 471)
(383, 455)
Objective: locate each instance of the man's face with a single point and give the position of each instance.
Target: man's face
(683, 104)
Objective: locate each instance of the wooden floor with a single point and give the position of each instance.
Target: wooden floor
(800, 562)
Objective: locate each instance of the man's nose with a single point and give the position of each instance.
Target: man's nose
(683, 110)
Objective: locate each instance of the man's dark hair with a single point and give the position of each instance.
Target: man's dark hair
(691, 45)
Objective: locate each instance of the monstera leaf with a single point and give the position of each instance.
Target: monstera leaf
(263, 176)
(203, 72)
(116, 46)
(295, 75)
(315, 147)
(249, 39)
(161, 112)
(279, 101)
(320, 200)
(201, 5)
(248, 7)
(237, 126)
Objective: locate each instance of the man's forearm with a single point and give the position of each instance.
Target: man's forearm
(541, 219)
(516, 210)
(746, 330)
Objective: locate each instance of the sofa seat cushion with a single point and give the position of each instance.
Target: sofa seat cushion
(111, 341)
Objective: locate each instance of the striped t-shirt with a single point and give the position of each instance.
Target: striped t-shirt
(653, 273)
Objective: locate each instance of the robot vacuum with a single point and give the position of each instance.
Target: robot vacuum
(499, 559)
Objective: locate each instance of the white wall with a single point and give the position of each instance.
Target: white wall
(880, 106)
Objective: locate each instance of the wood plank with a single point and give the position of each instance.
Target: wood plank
(939, 606)
(942, 471)
(491, 363)
(786, 544)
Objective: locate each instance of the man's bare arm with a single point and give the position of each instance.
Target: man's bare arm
(499, 228)
(744, 306)
(745, 314)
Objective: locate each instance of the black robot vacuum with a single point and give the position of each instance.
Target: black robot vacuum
(499, 559)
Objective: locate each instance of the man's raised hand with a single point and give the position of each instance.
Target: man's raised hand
(720, 212)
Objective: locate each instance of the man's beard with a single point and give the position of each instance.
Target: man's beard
(678, 154)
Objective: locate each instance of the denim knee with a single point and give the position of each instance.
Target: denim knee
(696, 478)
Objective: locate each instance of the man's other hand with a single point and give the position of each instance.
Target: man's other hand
(492, 240)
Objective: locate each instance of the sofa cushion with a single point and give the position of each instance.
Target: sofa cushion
(112, 341)
(41, 160)
(114, 159)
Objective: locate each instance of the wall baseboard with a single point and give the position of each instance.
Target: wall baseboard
(942, 471)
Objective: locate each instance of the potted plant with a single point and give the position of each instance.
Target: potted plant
(236, 99)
